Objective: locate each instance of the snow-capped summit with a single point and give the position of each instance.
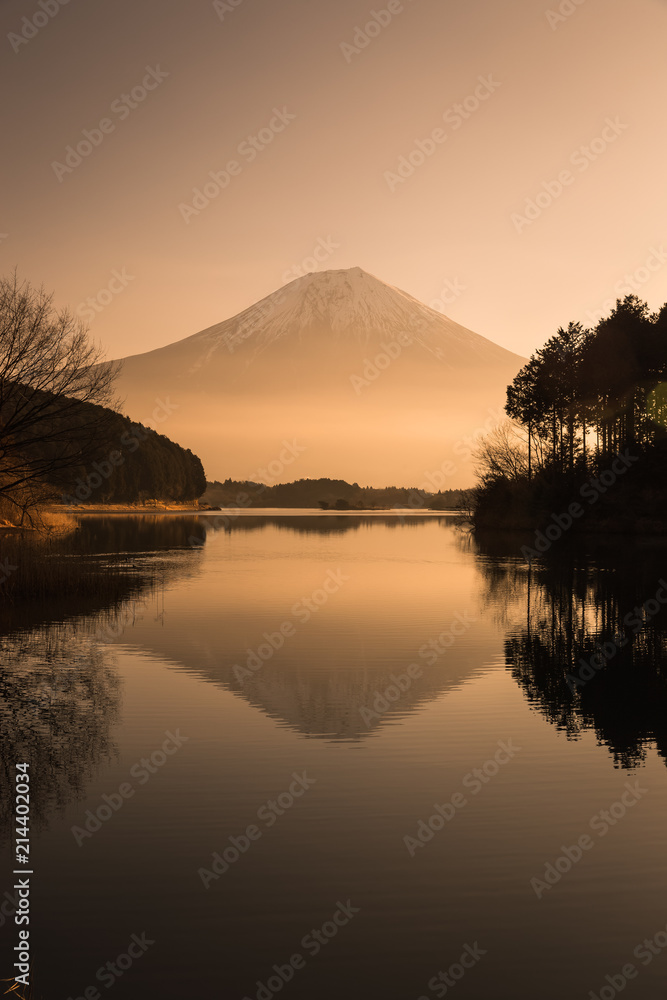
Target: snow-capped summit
(376, 386)
(350, 305)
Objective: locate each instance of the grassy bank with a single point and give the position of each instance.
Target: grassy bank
(156, 507)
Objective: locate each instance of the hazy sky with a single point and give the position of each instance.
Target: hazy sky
(329, 174)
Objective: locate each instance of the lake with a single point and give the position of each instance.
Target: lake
(336, 755)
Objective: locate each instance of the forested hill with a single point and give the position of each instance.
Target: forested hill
(127, 463)
(332, 494)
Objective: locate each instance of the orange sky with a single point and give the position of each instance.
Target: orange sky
(329, 175)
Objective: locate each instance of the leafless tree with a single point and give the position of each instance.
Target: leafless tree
(503, 453)
(49, 372)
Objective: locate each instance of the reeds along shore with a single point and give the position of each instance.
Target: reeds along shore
(35, 566)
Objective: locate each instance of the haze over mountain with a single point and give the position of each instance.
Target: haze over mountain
(365, 381)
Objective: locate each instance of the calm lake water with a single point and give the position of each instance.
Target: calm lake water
(310, 696)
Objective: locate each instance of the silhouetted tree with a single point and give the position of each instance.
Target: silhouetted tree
(48, 370)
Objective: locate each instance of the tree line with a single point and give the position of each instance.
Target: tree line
(132, 464)
(589, 394)
(584, 399)
(327, 494)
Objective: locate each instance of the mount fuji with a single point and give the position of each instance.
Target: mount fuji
(363, 380)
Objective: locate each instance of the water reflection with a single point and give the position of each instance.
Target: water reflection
(144, 533)
(59, 691)
(330, 677)
(315, 524)
(587, 638)
(59, 698)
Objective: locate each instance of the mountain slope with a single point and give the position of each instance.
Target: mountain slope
(371, 384)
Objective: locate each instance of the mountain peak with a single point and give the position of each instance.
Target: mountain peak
(348, 303)
(367, 380)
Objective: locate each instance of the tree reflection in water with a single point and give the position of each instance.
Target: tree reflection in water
(59, 698)
(59, 691)
(559, 615)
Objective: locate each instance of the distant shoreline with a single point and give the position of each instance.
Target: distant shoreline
(124, 508)
(237, 511)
